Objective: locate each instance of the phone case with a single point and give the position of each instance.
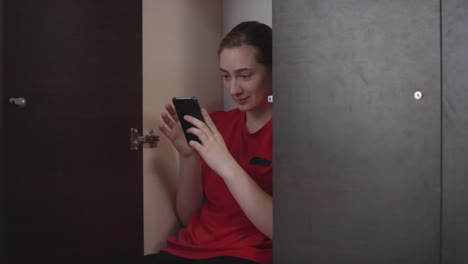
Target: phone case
(188, 106)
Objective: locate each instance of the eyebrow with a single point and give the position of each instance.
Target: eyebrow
(236, 71)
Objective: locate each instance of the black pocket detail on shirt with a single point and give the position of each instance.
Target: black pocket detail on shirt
(260, 161)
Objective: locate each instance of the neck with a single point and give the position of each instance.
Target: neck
(256, 119)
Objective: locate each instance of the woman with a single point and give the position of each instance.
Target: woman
(224, 197)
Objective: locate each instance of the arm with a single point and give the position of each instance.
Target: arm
(256, 204)
(189, 190)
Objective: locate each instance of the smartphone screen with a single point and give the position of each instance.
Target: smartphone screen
(187, 106)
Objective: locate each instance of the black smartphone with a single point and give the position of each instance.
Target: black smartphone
(187, 106)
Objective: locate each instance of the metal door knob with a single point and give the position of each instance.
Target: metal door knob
(19, 101)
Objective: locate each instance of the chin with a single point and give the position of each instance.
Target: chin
(244, 108)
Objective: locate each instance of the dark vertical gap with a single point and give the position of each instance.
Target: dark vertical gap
(2, 164)
(441, 137)
(140, 122)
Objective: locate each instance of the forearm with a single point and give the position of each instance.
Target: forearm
(189, 190)
(256, 203)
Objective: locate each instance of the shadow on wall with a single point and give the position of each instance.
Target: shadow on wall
(200, 81)
(163, 162)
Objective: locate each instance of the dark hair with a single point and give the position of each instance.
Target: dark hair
(251, 33)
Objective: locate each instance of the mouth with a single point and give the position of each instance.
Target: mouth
(241, 101)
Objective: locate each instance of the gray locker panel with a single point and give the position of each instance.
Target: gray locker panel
(2, 159)
(455, 131)
(357, 157)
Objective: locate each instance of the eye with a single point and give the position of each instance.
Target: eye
(225, 76)
(245, 76)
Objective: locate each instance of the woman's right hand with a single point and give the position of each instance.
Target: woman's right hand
(173, 131)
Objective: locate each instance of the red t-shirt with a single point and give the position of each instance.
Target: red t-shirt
(220, 227)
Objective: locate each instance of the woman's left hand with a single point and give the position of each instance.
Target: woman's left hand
(212, 149)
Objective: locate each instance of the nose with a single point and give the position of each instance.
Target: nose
(233, 87)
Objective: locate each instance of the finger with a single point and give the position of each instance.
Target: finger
(165, 130)
(197, 146)
(198, 123)
(209, 122)
(170, 108)
(167, 120)
(199, 133)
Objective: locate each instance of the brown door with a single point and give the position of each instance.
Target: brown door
(73, 189)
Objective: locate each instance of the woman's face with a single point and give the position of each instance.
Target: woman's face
(247, 81)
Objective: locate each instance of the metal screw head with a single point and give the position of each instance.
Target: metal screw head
(418, 95)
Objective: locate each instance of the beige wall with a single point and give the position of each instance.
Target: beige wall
(180, 40)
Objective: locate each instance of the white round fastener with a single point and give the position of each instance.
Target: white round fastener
(418, 95)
